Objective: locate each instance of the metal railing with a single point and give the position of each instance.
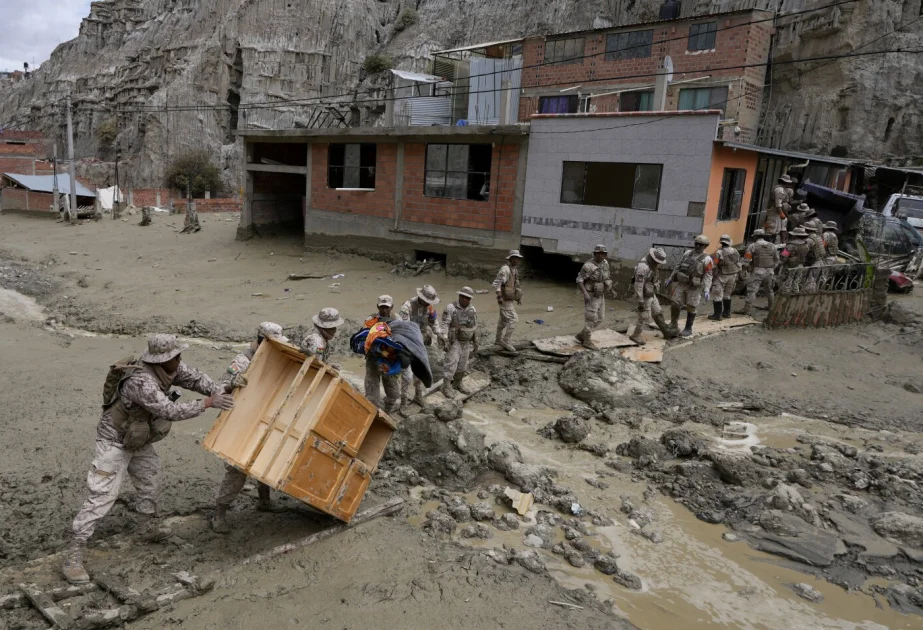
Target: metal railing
(824, 278)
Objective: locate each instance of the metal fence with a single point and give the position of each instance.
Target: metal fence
(817, 297)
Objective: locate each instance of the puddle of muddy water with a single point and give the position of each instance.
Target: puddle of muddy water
(20, 307)
(694, 579)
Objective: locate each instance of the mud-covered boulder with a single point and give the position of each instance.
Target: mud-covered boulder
(901, 528)
(604, 377)
(682, 443)
(500, 455)
(571, 429)
(449, 454)
(640, 446)
(736, 469)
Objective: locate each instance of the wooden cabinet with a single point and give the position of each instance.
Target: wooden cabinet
(301, 429)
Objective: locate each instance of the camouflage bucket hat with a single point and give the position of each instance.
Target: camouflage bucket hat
(162, 347)
(428, 294)
(272, 331)
(798, 231)
(328, 318)
(514, 253)
(468, 292)
(658, 255)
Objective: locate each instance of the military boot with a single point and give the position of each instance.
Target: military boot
(419, 399)
(265, 502)
(506, 345)
(687, 331)
(150, 529)
(727, 308)
(447, 390)
(73, 570)
(586, 340)
(746, 310)
(674, 320)
(636, 336)
(457, 382)
(718, 308)
(219, 521)
(665, 330)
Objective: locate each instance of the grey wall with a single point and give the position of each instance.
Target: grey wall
(682, 144)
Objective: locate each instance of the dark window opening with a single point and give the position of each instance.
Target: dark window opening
(564, 51)
(423, 256)
(458, 171)
(732, 194)
(612, 184)
(558, 104)
(15, 142)
(351, 166)
(702, 36)
(633, 45)
(704, 98)
(636, 101)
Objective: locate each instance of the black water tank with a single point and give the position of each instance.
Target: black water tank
(670, 10)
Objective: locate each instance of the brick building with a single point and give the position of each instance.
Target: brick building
(616, 69)
(439, 190)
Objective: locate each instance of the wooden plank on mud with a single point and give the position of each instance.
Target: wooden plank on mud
(567, 345)
(45, 605)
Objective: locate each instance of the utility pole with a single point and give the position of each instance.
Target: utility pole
(117, 197)
(54, 185)
(70, 157)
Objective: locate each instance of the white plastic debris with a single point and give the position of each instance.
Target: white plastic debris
(550, 309)
(338, 275)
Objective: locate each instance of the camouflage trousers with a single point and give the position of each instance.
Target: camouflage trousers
(722, 287)
(374, 380)
(686, 296)
(646, 308)
(814, 277)
(456, 359)
(760, 277)
(231, 486)
(408, 391)
(507, 321)
(594, 311)
(794, 277)
(111, 462)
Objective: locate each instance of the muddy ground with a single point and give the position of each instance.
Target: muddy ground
(689, 511)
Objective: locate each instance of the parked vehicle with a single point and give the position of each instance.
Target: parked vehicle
(909, 207)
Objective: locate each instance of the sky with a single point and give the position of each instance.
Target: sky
(32, 29)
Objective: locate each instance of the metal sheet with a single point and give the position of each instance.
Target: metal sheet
(45, 183)
(426, 111)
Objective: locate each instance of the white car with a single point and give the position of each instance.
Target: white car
(908, 206)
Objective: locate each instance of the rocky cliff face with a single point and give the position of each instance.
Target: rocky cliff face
(175, 70)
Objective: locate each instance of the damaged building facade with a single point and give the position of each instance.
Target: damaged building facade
(631, 137)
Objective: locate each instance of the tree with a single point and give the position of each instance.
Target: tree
(377, 63)
(106, 133)
(193, 172)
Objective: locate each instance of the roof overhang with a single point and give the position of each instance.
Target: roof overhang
(478, 46)
(795, 155)
(430, 134)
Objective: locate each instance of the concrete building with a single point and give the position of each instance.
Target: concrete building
(628, 180)
(713, 61)
(452, 191)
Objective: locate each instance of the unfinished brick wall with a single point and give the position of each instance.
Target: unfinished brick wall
(377, 203)
(19, 199)
(229, 204)
(747, 44)
(278, 198)
(493, 214)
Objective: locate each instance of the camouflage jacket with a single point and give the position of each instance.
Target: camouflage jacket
(142, 389)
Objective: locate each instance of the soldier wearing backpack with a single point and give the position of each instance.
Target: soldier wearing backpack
(138, 410)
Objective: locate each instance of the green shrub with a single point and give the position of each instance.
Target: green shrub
(194, 170)
(377, 63)
(106, 132)
(406, 19)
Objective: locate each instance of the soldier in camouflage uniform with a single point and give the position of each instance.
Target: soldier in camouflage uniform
(421, 311)
(690, 279)
(374, 379)
(316, 343)
(509, 294)
(831, 242)
(645, 294)
(726, 269)
(137, 413)
(234, 479)
(459, 336)
(594, 282)
(811, 219)
(779, 200)
(817, 256)
(762, 257)
(794, 256)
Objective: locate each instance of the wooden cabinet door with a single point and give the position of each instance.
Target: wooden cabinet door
(349, 497)
(317, 473)
(345, 419)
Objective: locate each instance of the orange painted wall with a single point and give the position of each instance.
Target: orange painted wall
(722, 158)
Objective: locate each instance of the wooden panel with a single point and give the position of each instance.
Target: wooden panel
(376, 439)
(317, 473)
(346, 418)
(568, 344)
(355, 482)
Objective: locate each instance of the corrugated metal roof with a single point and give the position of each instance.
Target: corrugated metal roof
(417, 76)
(45, 183)
(789, 154)
(476, 46)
